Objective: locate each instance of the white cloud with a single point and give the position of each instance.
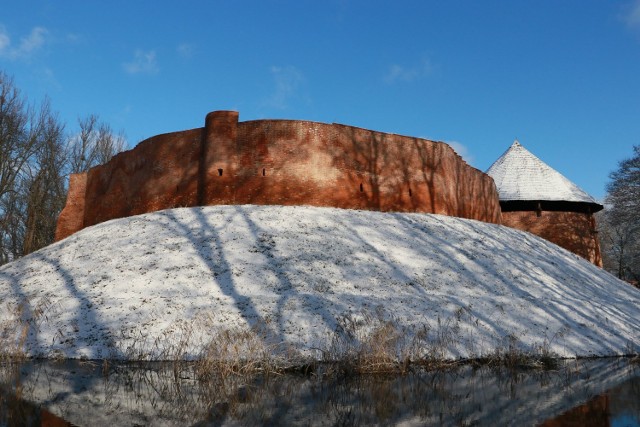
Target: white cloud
(287, 81)
(74, 38)
(185, 50)
(400, 73)
(28, 45)
(142, 63)
(632, 15)
(33, 41)
(47, 75)
(5, 40)
(462, 151)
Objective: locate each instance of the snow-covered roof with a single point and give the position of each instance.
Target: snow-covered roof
(521, 176)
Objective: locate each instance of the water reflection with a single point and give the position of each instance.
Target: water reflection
(600, 392)
(619, 406)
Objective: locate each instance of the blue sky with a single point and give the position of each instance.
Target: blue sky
(562, 76)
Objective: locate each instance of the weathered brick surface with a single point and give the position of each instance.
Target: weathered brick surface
(161, 172)
(288, 162)
(283, 162)
(574, 231)
(71, 218)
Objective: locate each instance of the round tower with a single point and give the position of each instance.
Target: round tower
(536, 198)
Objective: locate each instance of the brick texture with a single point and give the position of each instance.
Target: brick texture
(574, 231)
(280, 162)
(71, 218)
(290, 162)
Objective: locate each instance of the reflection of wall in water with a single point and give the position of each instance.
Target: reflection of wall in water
(158, 393)
(594, 413)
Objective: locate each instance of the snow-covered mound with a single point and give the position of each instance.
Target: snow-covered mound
(135, 287)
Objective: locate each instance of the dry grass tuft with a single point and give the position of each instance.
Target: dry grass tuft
(370, 341)
(15, 330)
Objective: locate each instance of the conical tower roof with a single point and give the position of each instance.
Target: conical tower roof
(521, 176)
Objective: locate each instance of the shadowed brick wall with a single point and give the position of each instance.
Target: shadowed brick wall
(280, 162)
(574, 231)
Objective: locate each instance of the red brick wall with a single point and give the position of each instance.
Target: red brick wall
(161, 172)
(283, 162)
(72, 216)
(574, 231)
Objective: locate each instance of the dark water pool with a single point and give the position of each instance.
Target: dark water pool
(603, 392)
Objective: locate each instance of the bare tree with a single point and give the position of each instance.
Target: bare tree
(17, 142)
(95, 144)
(20, 129)
(45, 190)
(621, 223)
(56, 156)
(619, 245)
(35, 160)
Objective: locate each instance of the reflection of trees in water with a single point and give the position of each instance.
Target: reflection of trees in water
(87, 393)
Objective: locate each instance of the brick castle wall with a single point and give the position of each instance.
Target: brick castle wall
(574, 231)
(280, 162)
(72, 217)
(289, 162)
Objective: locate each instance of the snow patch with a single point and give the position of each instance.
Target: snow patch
(130, 287)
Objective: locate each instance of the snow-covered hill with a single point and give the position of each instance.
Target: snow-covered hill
(165, 284)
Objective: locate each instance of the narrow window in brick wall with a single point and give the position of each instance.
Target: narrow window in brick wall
(264, 172)
(410, 195)
(219, 172)
(361, 188)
